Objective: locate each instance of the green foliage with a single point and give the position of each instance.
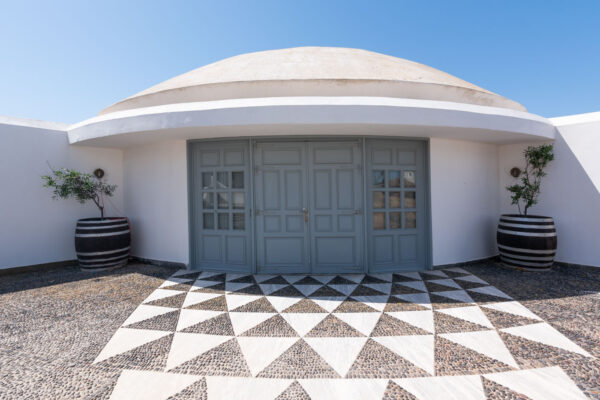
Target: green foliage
(82, 186)
(537, 157)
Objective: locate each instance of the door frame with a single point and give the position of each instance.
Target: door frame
(252, 140)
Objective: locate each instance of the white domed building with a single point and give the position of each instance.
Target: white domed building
(320, 160)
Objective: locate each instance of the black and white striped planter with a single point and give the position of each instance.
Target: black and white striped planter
(526, 242)
(102, 243)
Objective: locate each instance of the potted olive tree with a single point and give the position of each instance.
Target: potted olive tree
(525, 241)
(100, 243)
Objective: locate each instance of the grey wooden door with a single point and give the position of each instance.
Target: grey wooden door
(308, 207)
(219, 193)
(397, 213)
(335, 206)
(282, 240)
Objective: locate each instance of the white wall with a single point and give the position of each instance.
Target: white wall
(34, 228)
(464, 200)
(155, 176)
(570, 192)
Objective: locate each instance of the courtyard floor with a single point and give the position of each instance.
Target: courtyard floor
(146, 332)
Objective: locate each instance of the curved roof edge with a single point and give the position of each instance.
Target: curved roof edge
(427, 118)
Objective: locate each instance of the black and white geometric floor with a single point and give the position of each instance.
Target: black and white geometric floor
(443, 334)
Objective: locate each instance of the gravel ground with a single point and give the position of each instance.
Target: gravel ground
(54, 323)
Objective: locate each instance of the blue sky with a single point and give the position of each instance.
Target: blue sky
(66, 60)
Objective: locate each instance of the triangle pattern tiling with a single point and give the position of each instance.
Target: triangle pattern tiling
(321, 336)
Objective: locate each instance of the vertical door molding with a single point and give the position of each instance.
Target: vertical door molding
(336, 206)
(220, 223)
(282, 238)
(397, 205)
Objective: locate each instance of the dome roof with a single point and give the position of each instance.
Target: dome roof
(313, 71)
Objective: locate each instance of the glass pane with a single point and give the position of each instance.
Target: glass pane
(237, 179)
(207, 180)
(378, 199)
(410, 219)
(395, 178)
(410, 199)
(239, 221)
(208, 221)
(222, 180)
(395, 200)
(208, 200)
(223, 221)
(378, 220)
(223, 200)
(410, 179)
(395, 220)
(237, 200)
(378, 178)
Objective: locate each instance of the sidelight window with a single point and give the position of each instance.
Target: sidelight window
(223, 200)
(394, 199)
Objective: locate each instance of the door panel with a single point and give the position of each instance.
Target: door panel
(219, 192)
(280, 187)
(335, 176)
(396, 205)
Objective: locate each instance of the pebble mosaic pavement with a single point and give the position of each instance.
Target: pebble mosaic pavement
(443, 334)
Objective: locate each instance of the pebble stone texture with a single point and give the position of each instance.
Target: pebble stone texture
(146, 332)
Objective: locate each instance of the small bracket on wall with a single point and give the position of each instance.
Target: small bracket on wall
(99, 173)
(515, 172)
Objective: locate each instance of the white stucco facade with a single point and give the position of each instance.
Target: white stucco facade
(570, 191)
(464, 200)
(474, 137)
(155, 176)
(34, 228)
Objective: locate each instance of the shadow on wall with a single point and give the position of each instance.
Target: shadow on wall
(568, 195)
(576, 201)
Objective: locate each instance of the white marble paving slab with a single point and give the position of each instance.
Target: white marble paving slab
(362, 322)
(144, 385)
(465, 387)
(189, 318)
(303, 323)
(159, 294)
(145, 311)
(512, 307)
(187, 346)
(546, 334)
(346, 389)
(243, 321)
(420, 319)
(421, 299)
(194, 298)
(491, 290)
(470, 314)
(233, 388)
(487, 343)
(338, 352)
(417, 349)
(259, 352)
(550, 383)
(126, 339)
(459, 295)
(418, 285)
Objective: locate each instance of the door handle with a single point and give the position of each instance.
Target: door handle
(305, 211)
